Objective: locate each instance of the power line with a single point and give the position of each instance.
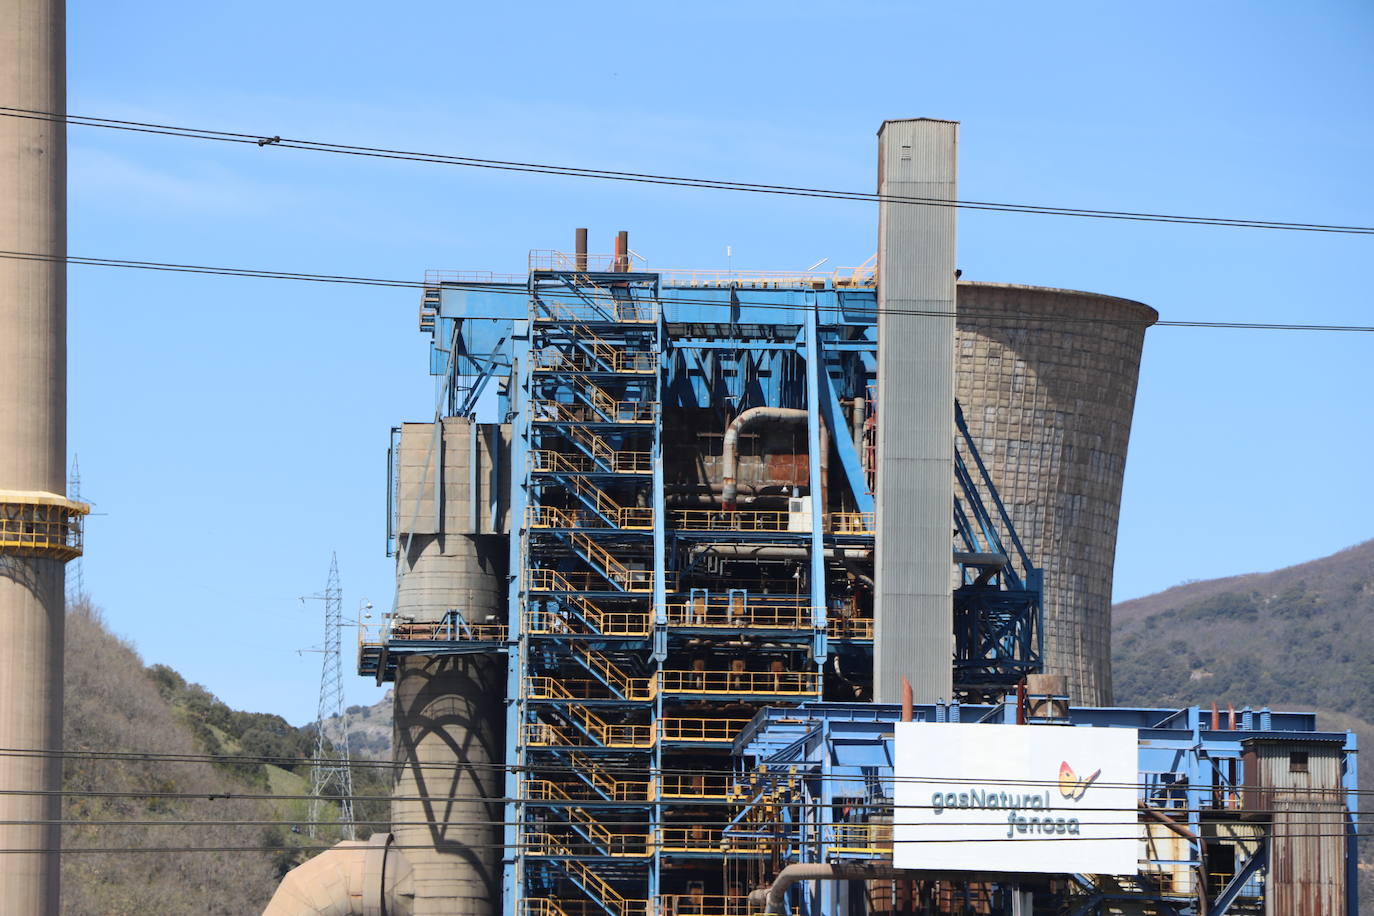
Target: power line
(520, 290)
(264, 140)
(551, 769)
(540, 849)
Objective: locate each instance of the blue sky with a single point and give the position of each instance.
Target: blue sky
(233, 432)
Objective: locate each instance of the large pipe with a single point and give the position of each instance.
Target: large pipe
(729, 456)
(370, 878)
(778, 552)
(772, 899)
(857, 416)
(33, 449)
(622, 252)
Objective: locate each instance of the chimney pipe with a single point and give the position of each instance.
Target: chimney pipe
(33, 454)
(581, 249)
(622, 252)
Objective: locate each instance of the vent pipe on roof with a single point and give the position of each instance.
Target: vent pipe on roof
(622, 252)
(581, 249)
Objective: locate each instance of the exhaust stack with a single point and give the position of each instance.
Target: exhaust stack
(39, 527)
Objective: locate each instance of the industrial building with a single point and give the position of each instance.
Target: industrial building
(679, 542)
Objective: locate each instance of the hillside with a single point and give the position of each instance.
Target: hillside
(1300, 638)
(114, 703)
(369, 729)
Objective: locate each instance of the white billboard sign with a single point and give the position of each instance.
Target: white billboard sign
(1016, 798)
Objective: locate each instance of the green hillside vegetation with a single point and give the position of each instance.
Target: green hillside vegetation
(369, 729)
(114, 703)
(1300, 638)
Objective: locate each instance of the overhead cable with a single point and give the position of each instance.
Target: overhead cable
(276, 141)
(520, 290)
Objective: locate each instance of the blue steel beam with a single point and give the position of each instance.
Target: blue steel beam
(814, 371)
(512, 860)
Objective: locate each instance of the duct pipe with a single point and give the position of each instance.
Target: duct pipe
(776, 552)
(622, 252)
(908, 701)
(859, 574)
(729, 456)
(370, 878)
(856, 420)
(581, 249)
(771, 900)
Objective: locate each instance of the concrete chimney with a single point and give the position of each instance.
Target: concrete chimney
(39, 527)
(913, 613)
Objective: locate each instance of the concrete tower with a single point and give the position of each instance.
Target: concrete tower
(1047, 380)
(39, 527)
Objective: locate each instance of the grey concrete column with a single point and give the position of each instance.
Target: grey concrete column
(914, 615)
(32, 441)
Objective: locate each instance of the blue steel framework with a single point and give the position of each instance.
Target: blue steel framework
(641, 637)
(816, 785)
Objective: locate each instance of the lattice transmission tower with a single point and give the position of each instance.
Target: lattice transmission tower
(330, 767)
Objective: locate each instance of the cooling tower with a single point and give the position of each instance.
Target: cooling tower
(1047, 380)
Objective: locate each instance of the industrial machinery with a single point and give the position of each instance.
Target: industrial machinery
(675, 541)
(689, 494)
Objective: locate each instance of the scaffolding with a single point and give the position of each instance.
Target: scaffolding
(649, 619)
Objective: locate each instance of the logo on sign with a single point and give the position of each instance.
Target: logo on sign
(1071, 786)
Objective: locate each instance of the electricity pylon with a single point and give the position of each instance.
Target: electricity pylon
(329, 765)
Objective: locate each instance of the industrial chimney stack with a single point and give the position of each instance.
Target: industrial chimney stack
(39, 527)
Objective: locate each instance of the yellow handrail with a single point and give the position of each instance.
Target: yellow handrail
(607, 734)
(737, 614)
(695, 785)
(439, 631)
(613, 844)
(865, 838)
(782, 683)
(696, 838)
(730, 520)
(617, 789)
(626, 412)
(689, 729)
(592, 883)
(849, 628)
(697, 905)
(631, 688)
(853, 523)
(631, 580)
(550, 461)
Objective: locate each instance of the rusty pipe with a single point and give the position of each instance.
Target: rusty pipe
(581, 249)
(908, 700)
(729, 455)
(771, 899)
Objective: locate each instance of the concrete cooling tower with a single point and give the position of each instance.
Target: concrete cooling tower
(1047, 380)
